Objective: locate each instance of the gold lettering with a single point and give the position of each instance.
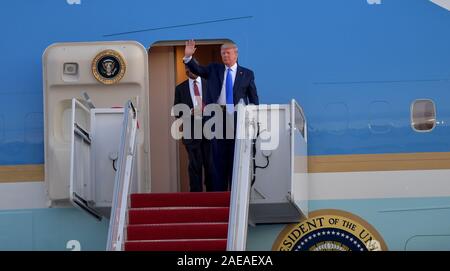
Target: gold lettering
(302, 227)
(311, 225)
(288, 244)
(320, 219)
(364, 236)
(349, 225)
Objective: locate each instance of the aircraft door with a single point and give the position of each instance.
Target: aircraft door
(81, 183)
(111, 73)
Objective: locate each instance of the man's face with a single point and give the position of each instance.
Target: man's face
(229, 56)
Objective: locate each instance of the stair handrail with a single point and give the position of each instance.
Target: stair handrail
(240, 189)
(122, 182)
(297, 110)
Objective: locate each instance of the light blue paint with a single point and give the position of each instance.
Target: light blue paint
(428, 243)
(16, 230)
(262, 237)
(51, 229)
(404, 224)
(319, 52)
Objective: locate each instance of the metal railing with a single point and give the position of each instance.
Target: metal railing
(298, 117)
(122, 180)
(240, 190)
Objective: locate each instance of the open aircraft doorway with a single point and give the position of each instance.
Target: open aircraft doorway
(169, 159)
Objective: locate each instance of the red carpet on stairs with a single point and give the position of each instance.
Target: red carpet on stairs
(192, 221)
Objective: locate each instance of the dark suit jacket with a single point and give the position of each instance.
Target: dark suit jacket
(244, 84)
(183, 96)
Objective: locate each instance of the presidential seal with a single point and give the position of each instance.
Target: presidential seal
(108, 67)
(330, 229)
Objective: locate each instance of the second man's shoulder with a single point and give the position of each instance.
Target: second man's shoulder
(182, 85)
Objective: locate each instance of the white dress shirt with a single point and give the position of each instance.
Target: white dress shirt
(187, 59)
(223, 97)
(191, 90)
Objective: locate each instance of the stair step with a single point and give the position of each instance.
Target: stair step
(177, 215)
(177, 231)
(177, 245)
(211, 199)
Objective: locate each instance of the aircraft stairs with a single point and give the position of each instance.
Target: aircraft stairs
(190, 221)
(196, 221)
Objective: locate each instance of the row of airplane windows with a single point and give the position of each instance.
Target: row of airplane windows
(381, 117)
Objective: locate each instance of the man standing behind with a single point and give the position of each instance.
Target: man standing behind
(228, 83)
(191, 93)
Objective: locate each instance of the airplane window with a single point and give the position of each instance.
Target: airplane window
(380, 117)
(423, 115)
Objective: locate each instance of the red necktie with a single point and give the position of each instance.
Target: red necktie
(197, 95)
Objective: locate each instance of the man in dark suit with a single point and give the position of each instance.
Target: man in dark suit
(191, 93)
(228, 83)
